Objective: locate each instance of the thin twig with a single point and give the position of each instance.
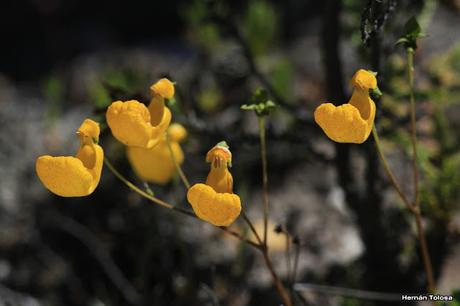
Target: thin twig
(348, 292)
(251, 226)
(278, 283)
(288, 257)
(263, 155)
(170, 206)
(410, 76)
(417, 213)
(390, 174)
(179, 170)
(425, 253)
(296, 262)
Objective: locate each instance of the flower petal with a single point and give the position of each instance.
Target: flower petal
(219, 209)
(343, 123)
(130, 123)
(64, 175)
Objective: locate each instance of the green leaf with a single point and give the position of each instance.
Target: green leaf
(412, 27)
(412, 32)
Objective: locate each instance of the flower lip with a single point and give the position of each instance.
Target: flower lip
(219, 209)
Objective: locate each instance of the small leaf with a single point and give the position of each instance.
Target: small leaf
(260, 103)
(412, 27)
(412, 32)
(402, 40)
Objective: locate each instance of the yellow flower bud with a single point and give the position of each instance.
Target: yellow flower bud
(214, 202)
(163, 88)
(219, 209)
(351, 122)
(177, 132)
(130, 123)
(77, 176)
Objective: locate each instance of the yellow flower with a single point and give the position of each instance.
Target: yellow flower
(134, 124)
(215, 202)
(351, 122)
(156, 164)
(77, 176)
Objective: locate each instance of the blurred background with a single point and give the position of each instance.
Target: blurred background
(63, 61)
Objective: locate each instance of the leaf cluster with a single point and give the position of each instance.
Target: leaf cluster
(412, 32)
(260, 103)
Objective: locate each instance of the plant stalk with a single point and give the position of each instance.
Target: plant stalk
(263, 155)
(413, 119)
(417, 213)
(389, 172)
(181, 173)
(170, 206)
(425, 253)
(278, 283)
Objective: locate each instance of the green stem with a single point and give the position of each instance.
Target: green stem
(263, 155)
(140, 191)
(388, 171)
(181, 173)
(170, 206)
(417, 213)
(410, 76)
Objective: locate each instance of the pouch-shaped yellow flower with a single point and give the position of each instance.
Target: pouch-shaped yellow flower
(215, 202)
(77, 176)
(135, 124)
(351, 122)
(220, 209)
(156, 165)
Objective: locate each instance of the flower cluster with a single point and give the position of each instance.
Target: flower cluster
(153, 148)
